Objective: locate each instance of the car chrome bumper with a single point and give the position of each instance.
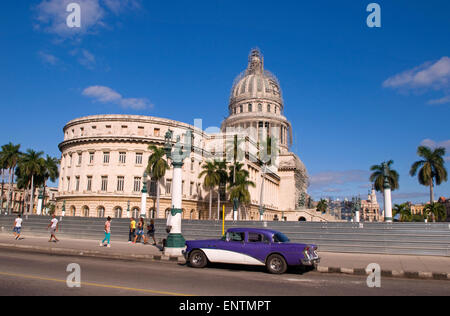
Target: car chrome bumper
(310, 262)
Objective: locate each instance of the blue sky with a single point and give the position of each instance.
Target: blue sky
(356, 96)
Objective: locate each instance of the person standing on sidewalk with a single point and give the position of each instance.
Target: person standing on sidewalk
(107, 233)
(140, 231)
(150, 232)
(17, 227)
(53, 228)
(132, 230)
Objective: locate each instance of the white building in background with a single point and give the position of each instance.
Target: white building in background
(104, 158)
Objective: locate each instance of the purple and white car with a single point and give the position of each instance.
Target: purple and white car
(252, 246)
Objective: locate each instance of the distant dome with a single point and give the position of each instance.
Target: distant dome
(255, 82)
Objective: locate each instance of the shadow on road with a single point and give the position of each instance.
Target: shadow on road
(239, 268)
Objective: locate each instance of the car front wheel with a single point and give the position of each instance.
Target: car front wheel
(197, 259)
(276, 264)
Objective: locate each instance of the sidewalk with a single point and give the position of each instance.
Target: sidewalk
(422, 267)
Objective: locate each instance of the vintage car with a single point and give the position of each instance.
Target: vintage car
(252, 246)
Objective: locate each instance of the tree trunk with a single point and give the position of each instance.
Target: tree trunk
(8, 206)
(157, 197)
(210, 203)
(3, 183)
(218, 204)
(431, 192)
(32, 195)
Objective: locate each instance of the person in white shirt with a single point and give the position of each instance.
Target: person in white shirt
(53, 228)
(17, 227)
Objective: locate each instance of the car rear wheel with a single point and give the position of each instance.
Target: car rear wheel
(276, 264)
(197, 259)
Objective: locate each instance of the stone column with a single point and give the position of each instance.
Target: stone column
(175, 241)
(144, 198)
(40, 202)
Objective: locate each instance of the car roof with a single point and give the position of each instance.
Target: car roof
(253, 230)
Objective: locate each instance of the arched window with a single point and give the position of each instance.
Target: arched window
(118, 212)
(86, 211)
(302, 219)
(167, 212)
(101, 212)
(260, 107)
(250, 107)
(73, 211)
(152, 213)
(135, 212)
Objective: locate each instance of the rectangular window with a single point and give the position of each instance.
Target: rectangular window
(169, 187)
(104, 183)
(122, 158)
(91, 157)
(70, 160)
(192, 164)
(89, 184)
(80, 159)
(120, 184)
(157, 132)
(106, 157)
(68, 183)
(141, 131)
(191, 189)
(137, 184)
(250, 108)
(139, 158)
(77, 184)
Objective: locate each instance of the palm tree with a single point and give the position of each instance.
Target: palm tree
(210, 181)
(404, 210)
(11, 155)
(432, 170)
(3, 167)
(237, 154)
(51, 172)
(240, 190)
(32, 165)
(436, 210)
(157, 167)
(221, 170)
(322, 206)
(378, 178)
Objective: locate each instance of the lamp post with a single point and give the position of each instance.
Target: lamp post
(177, 154)
(144, 197)
(40, 201)
(387, 195)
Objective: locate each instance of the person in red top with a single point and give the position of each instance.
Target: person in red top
(107, 233)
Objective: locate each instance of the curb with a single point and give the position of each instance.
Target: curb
(95, 254)
(388, 273)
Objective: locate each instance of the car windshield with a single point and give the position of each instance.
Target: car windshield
(279, 237)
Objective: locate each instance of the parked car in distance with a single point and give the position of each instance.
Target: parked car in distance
(252, 246)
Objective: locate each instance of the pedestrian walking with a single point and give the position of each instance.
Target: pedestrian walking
(139, 230)
(17, 227)
(132, 233)
(107, 233)
(54, 223)
(150, 232)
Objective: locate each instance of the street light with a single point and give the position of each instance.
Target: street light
(177, 154)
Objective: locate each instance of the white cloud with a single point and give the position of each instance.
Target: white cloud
(107, 95)
(428, 76)
(440, 101)
(339, 177)
(48, 58)
(51, 15)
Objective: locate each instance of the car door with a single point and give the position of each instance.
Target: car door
(257, 247)
(230, 250)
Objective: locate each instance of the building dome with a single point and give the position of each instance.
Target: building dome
(255, 82)
(256, 103)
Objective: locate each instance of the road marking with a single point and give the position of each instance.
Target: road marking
(32, 277)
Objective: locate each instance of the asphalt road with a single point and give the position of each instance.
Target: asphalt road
(24, 273)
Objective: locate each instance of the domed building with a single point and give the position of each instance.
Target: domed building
(104, 158)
